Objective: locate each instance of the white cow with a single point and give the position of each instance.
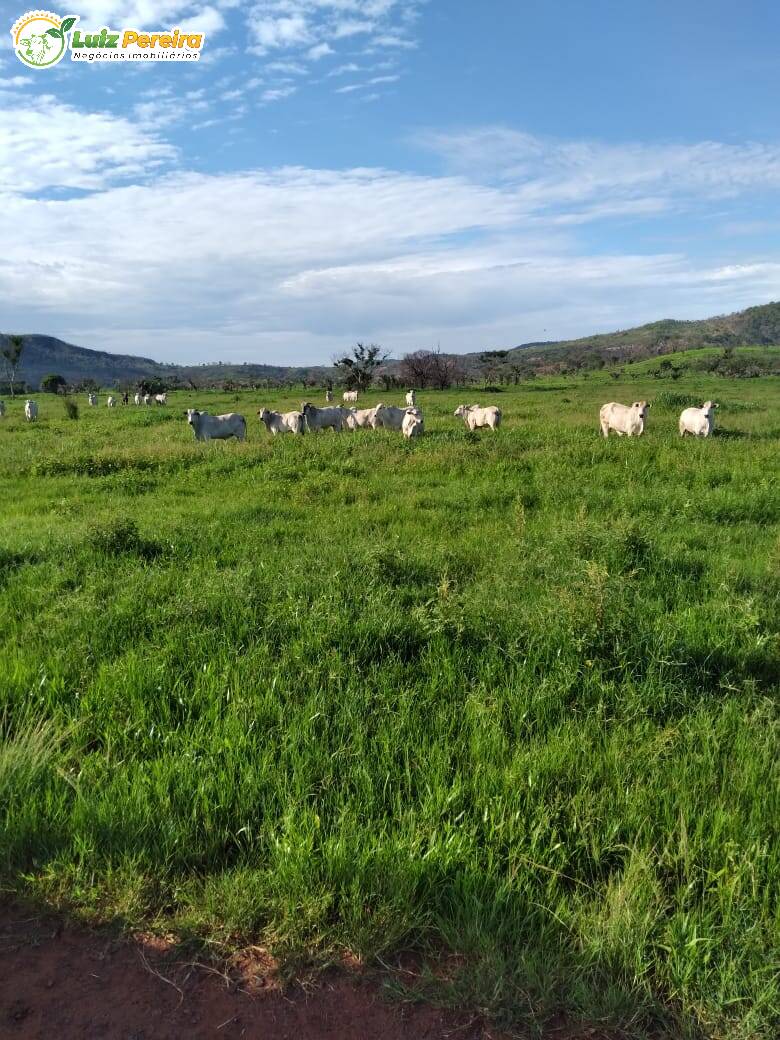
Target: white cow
(698, 421)
(30, 411)
(282, 422)
(92, 398)
(323, 418)
(411, 400)
(137, 398)
(622, 419)
(216, 427)
(358, 418)
(388, 417)
(350, 396)
(475, 416)
(160, 398)
(111, 402)
(328, 396)
(2, 409)
(412, 425)
(147, 398)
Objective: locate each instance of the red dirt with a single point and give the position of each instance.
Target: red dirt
(62, 981)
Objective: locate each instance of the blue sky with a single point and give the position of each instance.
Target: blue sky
(413, 172)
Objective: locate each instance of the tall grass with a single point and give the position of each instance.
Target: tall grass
(510, 696)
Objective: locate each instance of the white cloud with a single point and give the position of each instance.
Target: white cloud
(408, 260)
(320, 50)
(278, 93)
(151, 14)
(45, 143)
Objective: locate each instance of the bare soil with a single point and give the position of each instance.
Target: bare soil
(61, 981)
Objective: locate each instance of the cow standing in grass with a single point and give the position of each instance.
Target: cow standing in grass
(699, 422)
(624, 420)
(216, 427)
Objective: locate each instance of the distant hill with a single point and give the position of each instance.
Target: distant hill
(756, 326)
(47, 354)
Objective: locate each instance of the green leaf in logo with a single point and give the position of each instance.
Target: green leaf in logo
(67, 23)
(54, 32)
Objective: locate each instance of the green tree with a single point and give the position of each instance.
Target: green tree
(359, 367)
(12, 356)
(53, 383)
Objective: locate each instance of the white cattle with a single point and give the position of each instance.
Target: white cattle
(388, 417)
(328, 396)
(411, 400)
(698, 421)
(623, 419)
(216, 427)
(111, 402)
(2, 409)
(160, 398)
(412, 425)
(350, 396)
(282, 422)
(147, 398)
(30, 411)
(475, 416)
(137, 398)
(358, 418)
(92, 398)
(323, 418)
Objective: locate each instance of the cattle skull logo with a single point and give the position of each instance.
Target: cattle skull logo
(39, 38)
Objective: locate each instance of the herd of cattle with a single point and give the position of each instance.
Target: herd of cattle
(624, 420)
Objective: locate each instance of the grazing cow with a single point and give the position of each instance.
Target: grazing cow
(350, 396)
(698, 421)
(412, 425)
(160, 398)
(137, 398)
(328, 396)
(411, 400)
(282, 422)
(358, 418)
(216, 427)
(92, 398)
(2, 409)
(323, 418)
(622, 419)
(475, 417)
(111, 402)
(30, 411)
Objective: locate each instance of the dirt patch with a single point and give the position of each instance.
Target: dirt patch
(59, 979)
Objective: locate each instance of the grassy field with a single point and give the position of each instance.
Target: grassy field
(510, 696)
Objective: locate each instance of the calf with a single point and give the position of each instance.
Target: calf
(30, 411)
(475, 416)
(411, 401)
(699, 422)
(111, 402)
(282, 422)
(412, 425)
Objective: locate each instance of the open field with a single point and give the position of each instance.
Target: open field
(510, 696)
